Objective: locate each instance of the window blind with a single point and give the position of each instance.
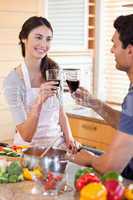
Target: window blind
(115, 83)
(69, 21)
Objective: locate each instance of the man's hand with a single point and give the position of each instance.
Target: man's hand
(82, 158)
(82, 97)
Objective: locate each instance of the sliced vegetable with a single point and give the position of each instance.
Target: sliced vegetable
(20, 177)
(12, 178)
(1, 148)
(4, 178)
(2, 153)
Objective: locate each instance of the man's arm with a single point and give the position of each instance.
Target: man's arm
(116, 158)
(110, 115)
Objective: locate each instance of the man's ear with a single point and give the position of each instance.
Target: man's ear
(130, 49)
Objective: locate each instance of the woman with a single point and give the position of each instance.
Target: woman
(29, 94)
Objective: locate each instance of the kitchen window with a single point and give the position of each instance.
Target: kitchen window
(110, 84)
(82, 39)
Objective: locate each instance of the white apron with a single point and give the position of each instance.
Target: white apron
(48, 124)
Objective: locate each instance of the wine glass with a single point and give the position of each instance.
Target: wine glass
(55, 75)
(72, 79)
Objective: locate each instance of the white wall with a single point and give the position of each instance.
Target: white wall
(13, 13)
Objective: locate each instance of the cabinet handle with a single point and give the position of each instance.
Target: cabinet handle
(89, 127)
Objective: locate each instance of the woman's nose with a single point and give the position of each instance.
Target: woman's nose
(111, 50)
(43, 43)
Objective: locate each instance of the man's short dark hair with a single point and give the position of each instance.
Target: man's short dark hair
(124, 26)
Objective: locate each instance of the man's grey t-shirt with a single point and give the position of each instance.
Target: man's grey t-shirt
(15, 92)
(126, 126)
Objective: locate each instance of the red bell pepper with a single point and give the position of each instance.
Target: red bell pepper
(85, 179)
(115, 189)
(83, 171)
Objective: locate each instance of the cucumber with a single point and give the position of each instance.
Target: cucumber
(12, 178)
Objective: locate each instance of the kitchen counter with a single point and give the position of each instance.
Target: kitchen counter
(83, 113)
(22, 190)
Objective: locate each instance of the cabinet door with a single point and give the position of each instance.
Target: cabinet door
(91, 133)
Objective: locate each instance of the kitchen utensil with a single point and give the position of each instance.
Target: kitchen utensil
(49, 147)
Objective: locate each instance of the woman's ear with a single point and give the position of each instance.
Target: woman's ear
(24, 41)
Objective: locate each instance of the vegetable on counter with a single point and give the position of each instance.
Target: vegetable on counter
(8, 151)
(115, 189)
(28, 174)
(128, 193)
(84, 176)
(112, 175)
(10, 172)
(85, 179)
(81, 172)
(51, 181)
(93, 191)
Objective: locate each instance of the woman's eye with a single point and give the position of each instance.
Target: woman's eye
(39, 37)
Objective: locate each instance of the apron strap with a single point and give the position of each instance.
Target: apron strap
(26, 75)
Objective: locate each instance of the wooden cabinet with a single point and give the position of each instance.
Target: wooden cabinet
(91, 133)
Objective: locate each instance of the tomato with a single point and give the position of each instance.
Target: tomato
(50, 175)
(50, 184)
(58, 178)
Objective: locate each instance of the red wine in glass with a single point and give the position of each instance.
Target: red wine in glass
(57, 82)
(73, 85)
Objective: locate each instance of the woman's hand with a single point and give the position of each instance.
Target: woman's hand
(72, 145)
(47, 90)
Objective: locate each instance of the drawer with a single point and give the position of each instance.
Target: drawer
(90, 143)
(92, 131)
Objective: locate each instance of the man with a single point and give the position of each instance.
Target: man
(119, 156)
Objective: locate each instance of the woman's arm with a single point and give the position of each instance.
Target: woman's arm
(28, 128)
(26, 123)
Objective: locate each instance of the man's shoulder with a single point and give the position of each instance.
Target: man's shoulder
(127, 106)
